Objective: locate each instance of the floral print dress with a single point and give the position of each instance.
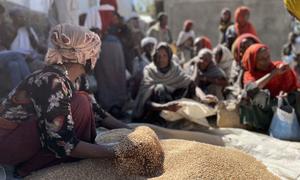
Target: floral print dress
(46, 94)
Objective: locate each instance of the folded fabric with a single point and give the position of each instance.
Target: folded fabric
(190, 110)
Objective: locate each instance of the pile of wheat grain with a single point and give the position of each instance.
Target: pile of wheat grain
(139, 153)
(183, 160)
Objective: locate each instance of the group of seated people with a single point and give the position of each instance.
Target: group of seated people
(241, 71)
(21, 50)
(51, 121)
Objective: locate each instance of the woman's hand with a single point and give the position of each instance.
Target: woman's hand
(210, 99)
(174, 107)
(88, 150)
(281, 69)
(282, 94)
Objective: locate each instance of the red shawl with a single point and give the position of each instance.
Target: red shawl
(107, 15)
(286, 82)
(239, 40)
(241, 12)
(205, 41)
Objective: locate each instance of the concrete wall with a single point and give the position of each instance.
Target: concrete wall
(268, 16)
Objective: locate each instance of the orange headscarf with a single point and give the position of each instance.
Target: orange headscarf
(236, 48)
(275, 84)
(241, 12)
(205, 41)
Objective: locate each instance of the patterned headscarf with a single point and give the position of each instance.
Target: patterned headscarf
(73, 44)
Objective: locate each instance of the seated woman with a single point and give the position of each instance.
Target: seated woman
(148, 45)
(223, 59)
(241, 44)
(264, 80)
(43, 121)
(201, 43)
(13, 69)
(210, 78)
(163, 81)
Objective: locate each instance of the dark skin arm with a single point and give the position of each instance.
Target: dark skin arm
(218, 81)
(262, 82)
(88, 150)
(112, 123)
(174, 107)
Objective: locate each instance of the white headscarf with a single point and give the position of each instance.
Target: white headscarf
(148, 40)
(226, 60)
(183, 36)
(73, 44)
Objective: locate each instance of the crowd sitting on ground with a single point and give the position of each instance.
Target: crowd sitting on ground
(138, 75)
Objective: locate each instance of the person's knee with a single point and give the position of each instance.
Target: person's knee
(159, 89)
(81, 102)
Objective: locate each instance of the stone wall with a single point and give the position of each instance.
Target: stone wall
(268, 16)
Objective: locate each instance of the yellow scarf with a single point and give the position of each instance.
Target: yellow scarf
(293, 6)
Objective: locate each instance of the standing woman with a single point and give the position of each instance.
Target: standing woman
(44, 121)
(185, 42)
(225, 22)
(242, 24)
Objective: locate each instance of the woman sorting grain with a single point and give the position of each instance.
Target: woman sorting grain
(265, 79)
(43, 121)
(163, 82)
